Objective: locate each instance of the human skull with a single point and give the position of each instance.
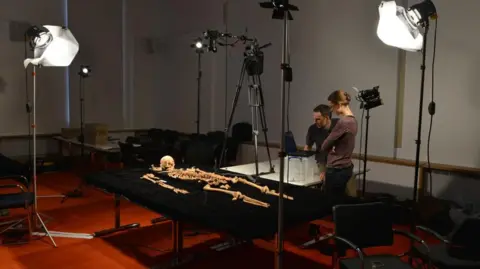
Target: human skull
(167, 163)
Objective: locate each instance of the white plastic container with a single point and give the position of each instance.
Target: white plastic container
(300, 169)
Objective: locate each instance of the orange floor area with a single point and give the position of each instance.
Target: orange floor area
(142, 247)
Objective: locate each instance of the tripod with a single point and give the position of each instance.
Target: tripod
(78, 191)
(253, 66)
(364, 180)
(199, 86)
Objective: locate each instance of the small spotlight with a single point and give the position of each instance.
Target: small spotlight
(85, 71)
(198, 45)
(370, 98)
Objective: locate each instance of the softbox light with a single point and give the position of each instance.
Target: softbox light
(401, 28)
(52, 45)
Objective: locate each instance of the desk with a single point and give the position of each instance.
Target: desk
(110, 147)
(98, 153)
(264, 167)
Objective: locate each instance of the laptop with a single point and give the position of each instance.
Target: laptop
(291, 147)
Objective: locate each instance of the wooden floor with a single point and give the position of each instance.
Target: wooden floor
(140, 248)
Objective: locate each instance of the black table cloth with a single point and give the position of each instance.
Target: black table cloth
(214, 210)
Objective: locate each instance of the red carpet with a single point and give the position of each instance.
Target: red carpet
(143, 247)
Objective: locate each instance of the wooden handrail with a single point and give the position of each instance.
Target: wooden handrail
(386, 160)
(453, 168)
(403, 162)
(49, 135)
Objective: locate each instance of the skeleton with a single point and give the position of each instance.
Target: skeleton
(215, 179)
(214, 182)
(162, 183)
(238, 196)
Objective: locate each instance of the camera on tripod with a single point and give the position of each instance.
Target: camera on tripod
(253, 59)
(370, 98)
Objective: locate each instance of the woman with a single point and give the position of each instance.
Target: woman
(340, 144)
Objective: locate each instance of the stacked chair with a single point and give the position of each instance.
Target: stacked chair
(13, 177)
(202, 150)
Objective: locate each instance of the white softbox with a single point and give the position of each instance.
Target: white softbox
(55, 47)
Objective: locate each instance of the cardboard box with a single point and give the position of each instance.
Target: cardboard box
(70, 133)
(96, 133)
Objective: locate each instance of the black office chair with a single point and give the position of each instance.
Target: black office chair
(200, 153)
(459, 250)
(216, 136)
(20, 199)
(363, 226)
(130, 157)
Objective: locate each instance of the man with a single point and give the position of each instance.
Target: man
(318, 132)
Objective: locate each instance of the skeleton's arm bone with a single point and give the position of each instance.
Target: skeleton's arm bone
(264, 189)
(238, 196)
(162, 183)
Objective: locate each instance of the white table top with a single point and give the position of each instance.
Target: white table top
(249, 169)
(110, 146)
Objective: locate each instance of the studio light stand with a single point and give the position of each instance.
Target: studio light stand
(199, 49)
(407, 24)
(46, 41)
(420, 117)
(253, 66)
(36, 214)
(364, 177)
(369, 99)
(83, 74)
(28, 106)
(281, 11)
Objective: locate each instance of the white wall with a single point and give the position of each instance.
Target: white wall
(50, 81)
(165, 67)
(97, 26)
(456, 82)
(51, 94)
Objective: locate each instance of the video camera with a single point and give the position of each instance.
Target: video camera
(254, 56)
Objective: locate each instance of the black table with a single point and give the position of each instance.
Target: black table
(213, 210)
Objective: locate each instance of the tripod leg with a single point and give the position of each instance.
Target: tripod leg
(37, 216)
(263, 122)
(230, 118)
(253, 103)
